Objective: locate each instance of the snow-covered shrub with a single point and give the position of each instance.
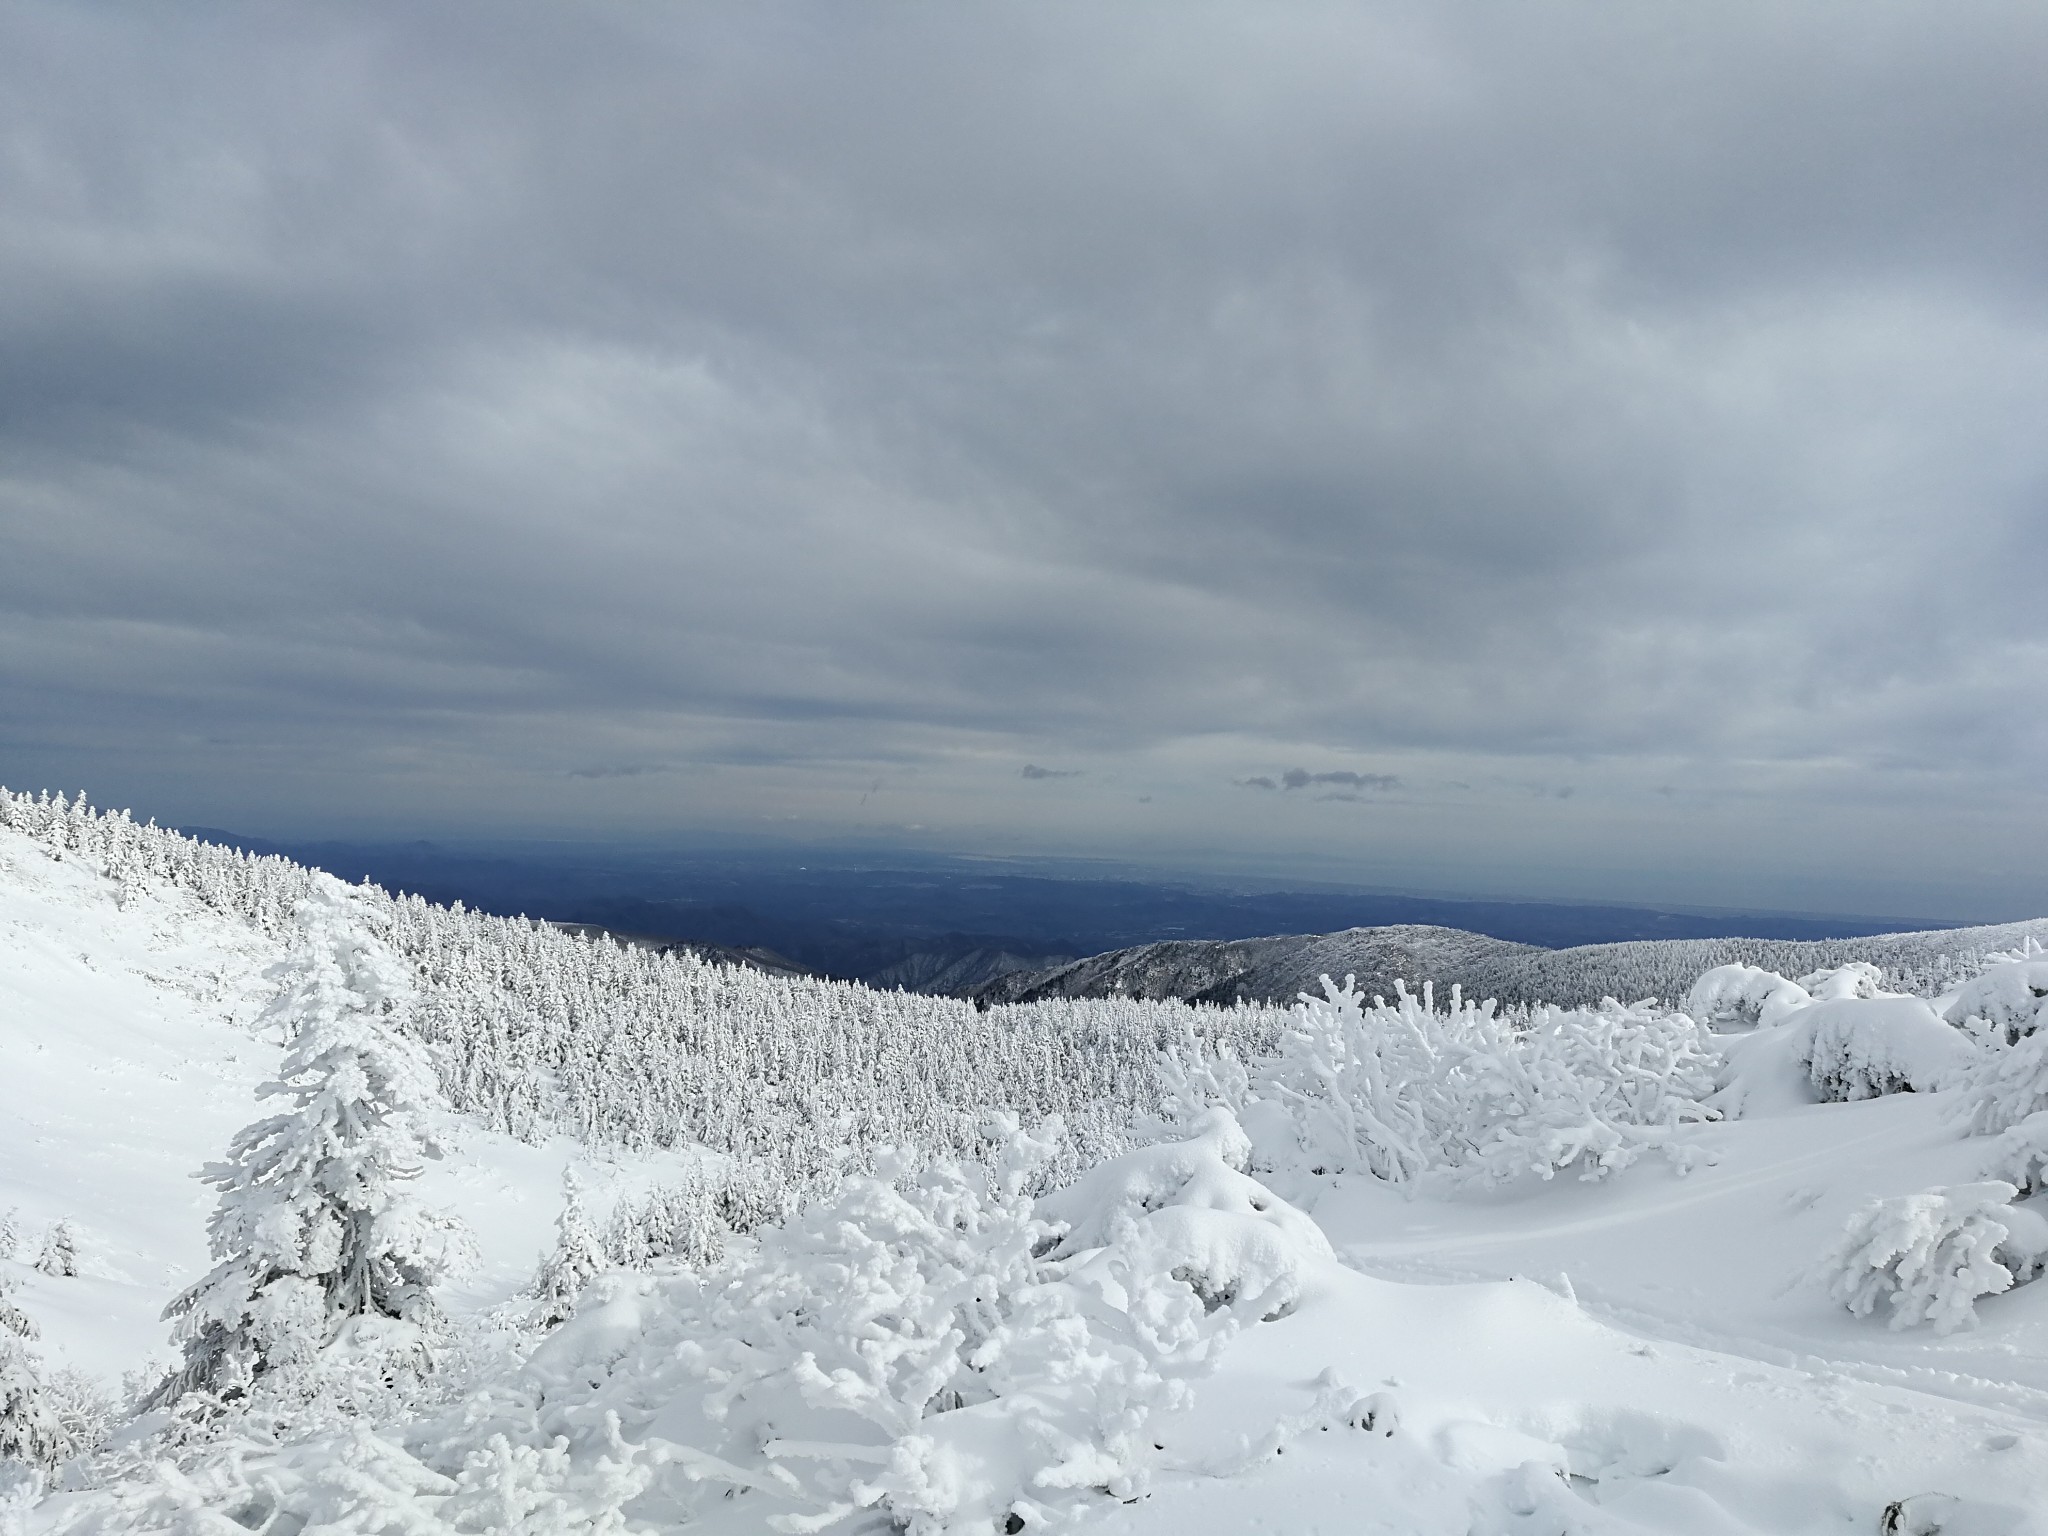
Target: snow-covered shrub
(1368, 1092)
(927, 1349)
(1398, 1090)
(326, 1263)
(1929, 1256)
(1836, 1034)
(2008, 1092)
(1862, 1046)
(2021, 1153)
(1743, 996)
(2008, 998)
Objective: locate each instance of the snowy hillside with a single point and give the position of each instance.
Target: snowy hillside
(756, 1253)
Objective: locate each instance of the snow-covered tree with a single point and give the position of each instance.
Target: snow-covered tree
(60, 1252)
(317, 1237)
(577, 1259)
(30, 1430)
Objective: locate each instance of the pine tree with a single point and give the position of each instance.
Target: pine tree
(578, 1258)
(315, 1233)
(60, 1252)
(30, 1430)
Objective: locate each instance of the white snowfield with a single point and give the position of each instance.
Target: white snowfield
(1410, 1270)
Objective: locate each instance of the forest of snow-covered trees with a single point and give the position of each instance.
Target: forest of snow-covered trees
(934, 1267)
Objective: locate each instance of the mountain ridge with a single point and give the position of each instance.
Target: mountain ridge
(1277, 968)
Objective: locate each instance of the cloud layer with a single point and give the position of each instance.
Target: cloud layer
(799, 415)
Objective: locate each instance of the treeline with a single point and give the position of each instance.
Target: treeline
(535, 1032)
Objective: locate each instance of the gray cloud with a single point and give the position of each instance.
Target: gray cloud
(1301, 778)
(1033, 771)
(399, 415)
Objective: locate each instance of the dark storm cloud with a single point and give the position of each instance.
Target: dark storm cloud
(396, 404)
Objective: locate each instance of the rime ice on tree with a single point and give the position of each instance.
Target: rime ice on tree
(578, 1258)
(30, 1432)
(317, 1238)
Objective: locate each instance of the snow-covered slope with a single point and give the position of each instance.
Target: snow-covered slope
(1231, 1335)
(128, 1058)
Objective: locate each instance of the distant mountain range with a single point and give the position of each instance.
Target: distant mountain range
(1279, 968)
(1267, 969)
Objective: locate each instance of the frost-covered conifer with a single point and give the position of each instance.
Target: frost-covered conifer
(30, 1430)
(577, 1259)
(316, 1234)
(60, 1252)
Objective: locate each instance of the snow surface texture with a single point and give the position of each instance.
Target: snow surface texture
(1151, 1340)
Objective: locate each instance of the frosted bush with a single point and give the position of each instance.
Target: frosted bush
(1202, 1218)
(1367, 1093)
(2008, 998)
(1928, 1257)
(1863, 1046)
(1837, 1033)
(2008, 1098)
(936, 1349)
(1404, 1089)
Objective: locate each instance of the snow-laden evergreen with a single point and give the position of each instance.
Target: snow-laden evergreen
(319, 1241)
(31, 1433)
(576, 1259)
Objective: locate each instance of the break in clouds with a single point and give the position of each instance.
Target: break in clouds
(1596, 450)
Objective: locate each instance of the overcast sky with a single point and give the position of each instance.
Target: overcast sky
(1542, 449)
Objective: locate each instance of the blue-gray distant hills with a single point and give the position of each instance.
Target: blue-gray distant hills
(1279, 968)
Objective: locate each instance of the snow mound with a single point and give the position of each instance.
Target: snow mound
(1203, 1220)
(1834, 1037)
(1744, 997)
